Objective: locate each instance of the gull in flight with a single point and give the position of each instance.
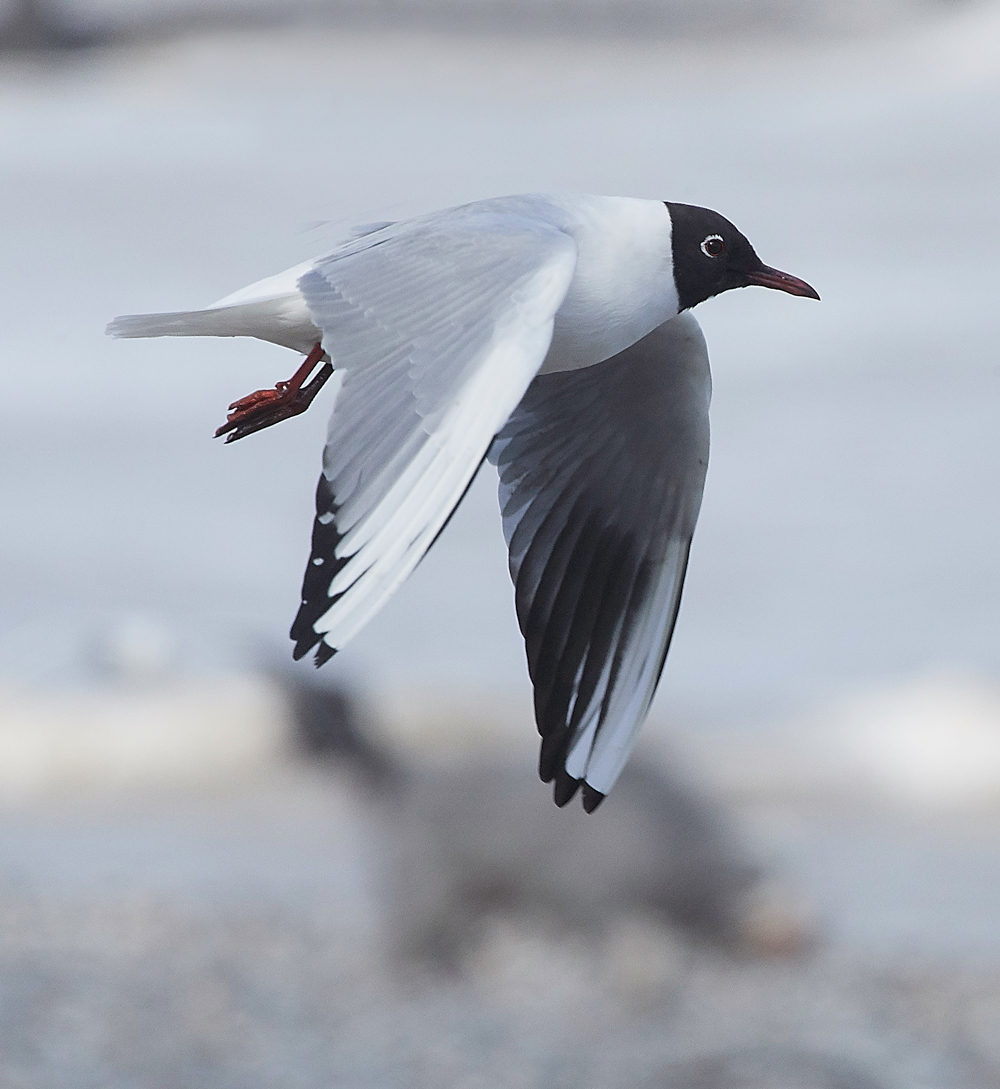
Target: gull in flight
(553, 336)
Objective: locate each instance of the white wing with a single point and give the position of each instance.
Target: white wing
(437, 326)
(601, 476)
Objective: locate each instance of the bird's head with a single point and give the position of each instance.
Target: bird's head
(711, 256)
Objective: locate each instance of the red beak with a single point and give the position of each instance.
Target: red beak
(781, 281)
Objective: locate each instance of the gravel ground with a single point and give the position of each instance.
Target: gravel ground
(232, 938)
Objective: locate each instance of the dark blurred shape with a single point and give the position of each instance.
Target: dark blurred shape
(767, 1068)
(329, 727)
(46, 25)
(472, 840)
(40, 26)
(37, 26)
(485, 839)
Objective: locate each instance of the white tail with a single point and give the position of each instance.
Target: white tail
(183, 323)
(284, 320)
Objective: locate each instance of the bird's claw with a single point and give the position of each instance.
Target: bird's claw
(266, 407)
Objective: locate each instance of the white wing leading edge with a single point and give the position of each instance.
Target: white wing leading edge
(601, 476)
(437, 327)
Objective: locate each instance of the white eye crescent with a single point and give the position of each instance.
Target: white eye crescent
(713, 246)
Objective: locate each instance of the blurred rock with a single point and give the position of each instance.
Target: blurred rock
(477, 840)
(480, 839)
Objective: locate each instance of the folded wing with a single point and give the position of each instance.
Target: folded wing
(436, 328)
(601, 477)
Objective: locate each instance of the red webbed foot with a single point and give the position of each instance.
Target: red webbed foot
(266, 407)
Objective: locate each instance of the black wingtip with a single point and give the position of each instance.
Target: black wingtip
(305, 640)
(591, 798)
(324, 652)
(564, 788)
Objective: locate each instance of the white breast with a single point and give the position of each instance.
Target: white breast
(624, 282)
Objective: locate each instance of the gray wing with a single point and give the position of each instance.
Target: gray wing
(436, 328)
(601, 477)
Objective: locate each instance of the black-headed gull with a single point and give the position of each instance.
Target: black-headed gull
(550, 333)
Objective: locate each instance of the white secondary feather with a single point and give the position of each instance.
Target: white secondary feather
(437, 326)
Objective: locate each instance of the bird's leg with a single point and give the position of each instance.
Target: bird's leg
(266, 407)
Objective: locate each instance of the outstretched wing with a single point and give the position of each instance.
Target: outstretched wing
(601, 476)
(436, 327)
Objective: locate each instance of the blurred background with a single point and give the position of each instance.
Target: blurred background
(217, 869)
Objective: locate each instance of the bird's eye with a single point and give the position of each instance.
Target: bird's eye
(713, 246)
